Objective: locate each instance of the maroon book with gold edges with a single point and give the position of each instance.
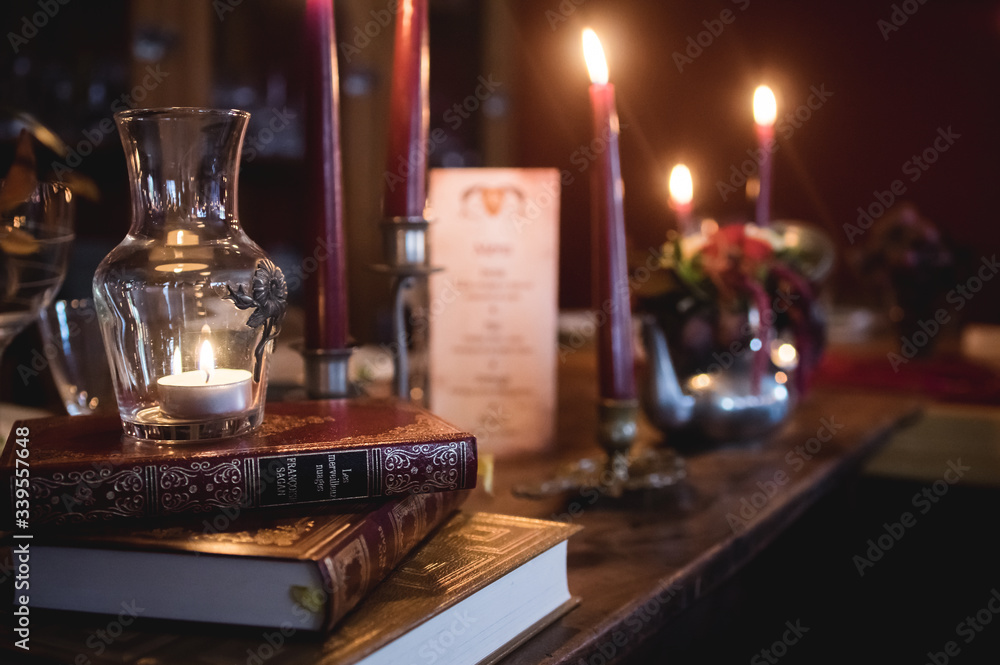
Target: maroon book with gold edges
(82, 469)
(303, 568)
(475, 589)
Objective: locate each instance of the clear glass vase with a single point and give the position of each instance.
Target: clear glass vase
(189, 306)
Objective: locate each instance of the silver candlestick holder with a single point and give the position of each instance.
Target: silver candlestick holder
(327, 374)
(621, 470)
(405, 250)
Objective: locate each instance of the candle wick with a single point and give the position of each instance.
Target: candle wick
(208, 376)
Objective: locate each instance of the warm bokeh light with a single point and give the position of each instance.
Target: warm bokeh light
(681, 185)
(784, 355)
(765, 107)
(597, 65)
(701, 381)
(786, 352)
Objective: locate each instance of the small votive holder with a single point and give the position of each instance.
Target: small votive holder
(189, 306)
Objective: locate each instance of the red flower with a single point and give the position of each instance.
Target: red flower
(735, 243)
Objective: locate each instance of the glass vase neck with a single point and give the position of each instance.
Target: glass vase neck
(183, 168)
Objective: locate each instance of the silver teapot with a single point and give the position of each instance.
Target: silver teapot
(723, 405)
(729, 401)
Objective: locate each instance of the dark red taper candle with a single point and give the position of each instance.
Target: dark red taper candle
(409, 115)
(764, 113)
(326, 289)
(610, 283)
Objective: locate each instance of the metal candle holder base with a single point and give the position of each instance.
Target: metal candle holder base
(407, 259)
(619, 472)
(327, 373)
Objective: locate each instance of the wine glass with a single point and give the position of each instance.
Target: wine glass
(36, 231)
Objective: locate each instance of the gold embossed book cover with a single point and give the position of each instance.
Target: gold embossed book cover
(479, 587)
(305, 568)
(309, 452)
(471, 594)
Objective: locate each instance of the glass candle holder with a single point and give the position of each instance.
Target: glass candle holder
(189, 306)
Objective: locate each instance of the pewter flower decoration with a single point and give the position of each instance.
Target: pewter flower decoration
(269, 295)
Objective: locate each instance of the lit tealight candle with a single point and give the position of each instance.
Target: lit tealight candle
(681, 194)
(206, 392)
(765, 111)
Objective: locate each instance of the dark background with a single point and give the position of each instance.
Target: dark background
(890, 97)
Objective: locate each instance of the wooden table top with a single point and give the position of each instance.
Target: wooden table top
(637, 564)
(641, 561)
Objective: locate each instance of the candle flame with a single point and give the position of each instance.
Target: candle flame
(765, 107)
(681, 185)
(206, 360)
(597, 65)
(176, 366)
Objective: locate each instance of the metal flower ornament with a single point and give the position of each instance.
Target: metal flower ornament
(269, 295)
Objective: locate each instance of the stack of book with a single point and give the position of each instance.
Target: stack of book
(336, 516)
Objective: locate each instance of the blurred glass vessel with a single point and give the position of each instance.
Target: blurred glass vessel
(75, 351)
(36, 233)
(189, 306)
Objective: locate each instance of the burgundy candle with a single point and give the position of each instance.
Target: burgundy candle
(325, 291)
(611, 287)
(764, 113)
(406, 165)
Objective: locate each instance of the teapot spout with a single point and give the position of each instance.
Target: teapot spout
(666, 404)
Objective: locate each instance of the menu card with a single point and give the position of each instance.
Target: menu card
(493, 308)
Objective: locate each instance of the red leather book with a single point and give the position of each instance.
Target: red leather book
(81, 469)
(302, 569)
(471, 592)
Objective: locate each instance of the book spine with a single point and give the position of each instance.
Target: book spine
(220, 483)
(380, 542)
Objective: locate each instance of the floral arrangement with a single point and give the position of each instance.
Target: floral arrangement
(741, 268)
